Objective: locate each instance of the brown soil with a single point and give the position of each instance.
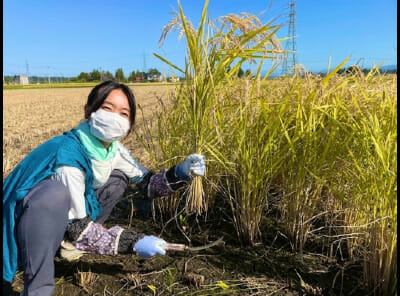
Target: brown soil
(268, 268)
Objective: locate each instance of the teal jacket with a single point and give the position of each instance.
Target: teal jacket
(66, 149)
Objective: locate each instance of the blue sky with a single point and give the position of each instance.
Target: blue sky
(64, 38)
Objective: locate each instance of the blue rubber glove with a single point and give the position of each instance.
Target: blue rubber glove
(194, 164)
(149, 246)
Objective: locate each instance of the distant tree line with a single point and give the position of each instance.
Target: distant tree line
(10, 79)
(353, 69)
(93, 76)
(365, 71)
(97, 76)
(119, 75)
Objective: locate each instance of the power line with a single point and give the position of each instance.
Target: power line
(144, 63)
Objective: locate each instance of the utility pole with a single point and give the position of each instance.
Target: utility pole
(144, 64)
(360, 63)
(48, 75)
(291, 58)
(27, 69)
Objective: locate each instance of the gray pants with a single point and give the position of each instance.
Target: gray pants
(41, 227)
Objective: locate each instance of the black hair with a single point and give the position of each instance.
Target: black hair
(100, 92)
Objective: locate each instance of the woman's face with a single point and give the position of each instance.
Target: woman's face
(117, 102)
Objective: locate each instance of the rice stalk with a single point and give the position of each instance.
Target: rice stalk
(86, 279)
(215, 52)
(367, 174)
(375, 162)
(253, 147)
(195, 201)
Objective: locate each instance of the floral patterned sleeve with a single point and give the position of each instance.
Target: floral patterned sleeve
(94, 238)
(99, 240)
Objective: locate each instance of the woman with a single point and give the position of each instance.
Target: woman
(68, 186)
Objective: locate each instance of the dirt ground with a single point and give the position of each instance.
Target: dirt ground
(269, 268)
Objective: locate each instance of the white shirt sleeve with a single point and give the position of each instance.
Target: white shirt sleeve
(125, 162)
(74, 179)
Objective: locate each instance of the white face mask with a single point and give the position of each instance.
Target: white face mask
(108, 126)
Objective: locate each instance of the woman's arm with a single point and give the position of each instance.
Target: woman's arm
(92, 237)
(74, 179)
(150, 184)
(164, 183)
(168, 181)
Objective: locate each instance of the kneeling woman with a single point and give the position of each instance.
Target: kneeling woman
(68, 186)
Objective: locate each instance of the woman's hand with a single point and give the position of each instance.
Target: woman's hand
(149, 246)
(194, 164)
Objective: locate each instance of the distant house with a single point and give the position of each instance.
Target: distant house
(21, 79)
(138, 79)
(173, 79)
(156, 77)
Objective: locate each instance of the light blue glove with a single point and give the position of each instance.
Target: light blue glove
(194, 164)
(149, 246)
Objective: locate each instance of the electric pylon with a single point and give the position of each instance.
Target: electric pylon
(291, 58)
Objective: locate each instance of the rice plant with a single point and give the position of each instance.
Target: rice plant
(252, 144)
(372, 175)
(215, 53)
(326, 144)
(350, 155)
(311, 136)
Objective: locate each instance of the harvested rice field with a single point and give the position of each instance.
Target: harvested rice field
(32, 116)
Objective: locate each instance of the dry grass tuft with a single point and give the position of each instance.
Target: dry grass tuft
(86, 279)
